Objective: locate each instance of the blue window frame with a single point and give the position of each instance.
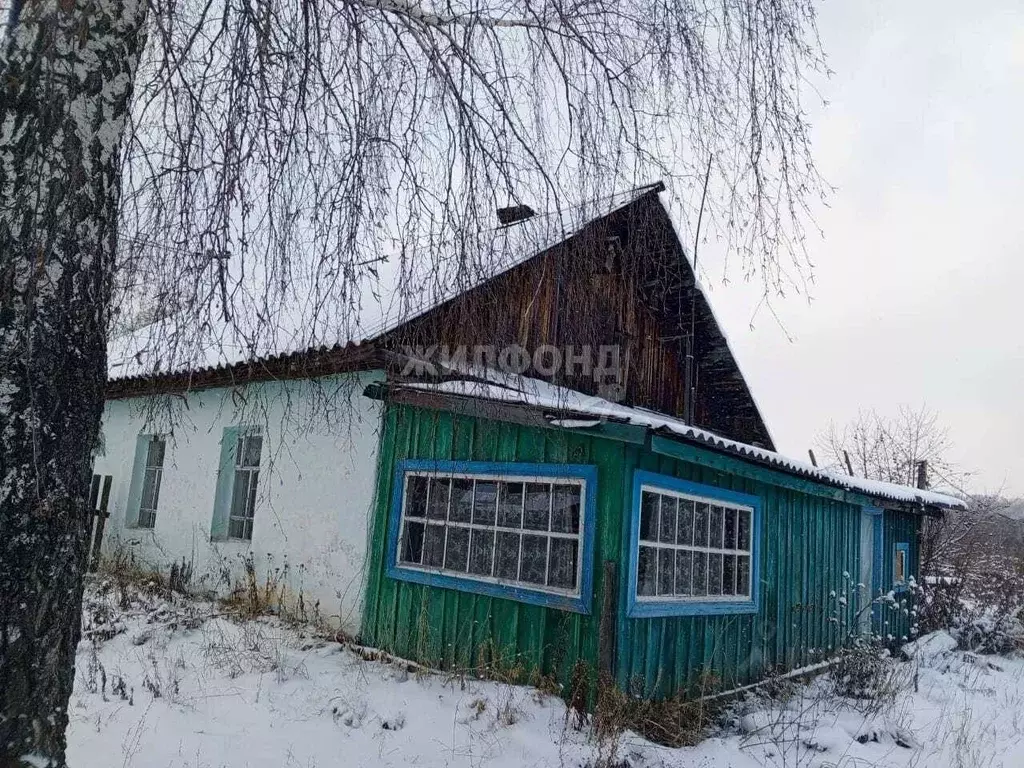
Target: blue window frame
(693, 549)
(520, 531)
(901, 566)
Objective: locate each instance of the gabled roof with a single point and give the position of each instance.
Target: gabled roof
(570, 409)
(224, 355)
(413, 287)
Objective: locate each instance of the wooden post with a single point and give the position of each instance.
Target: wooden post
(922, 474)
(810, 452)
(609, 601)
(101, 516)
(849, 466)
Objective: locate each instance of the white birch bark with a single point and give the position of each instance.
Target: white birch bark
(66, 74)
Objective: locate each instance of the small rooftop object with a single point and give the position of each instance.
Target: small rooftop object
(512, 214)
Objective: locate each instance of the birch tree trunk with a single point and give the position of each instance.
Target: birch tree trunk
(66, 74)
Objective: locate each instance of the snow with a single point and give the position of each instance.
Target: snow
(176, 684)
(511, 388)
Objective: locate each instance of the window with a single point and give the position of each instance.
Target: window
(243, 493)
(152, 475)
(900, 564)
(511, 530)
(693, 548)
(147, 475)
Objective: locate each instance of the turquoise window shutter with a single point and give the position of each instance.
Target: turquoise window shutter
(131, 514)
(225, 483)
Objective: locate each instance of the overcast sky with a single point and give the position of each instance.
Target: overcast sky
(920, 274)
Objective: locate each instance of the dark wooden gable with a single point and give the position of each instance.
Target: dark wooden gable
(622, 281)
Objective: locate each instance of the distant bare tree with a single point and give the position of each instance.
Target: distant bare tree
(232, 168)
(892, 449)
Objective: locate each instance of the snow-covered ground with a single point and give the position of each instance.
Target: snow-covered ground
(178, 684)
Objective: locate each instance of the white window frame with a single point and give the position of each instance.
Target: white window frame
(693, 548)
(490, 477)
(146, 517)
(247, 520)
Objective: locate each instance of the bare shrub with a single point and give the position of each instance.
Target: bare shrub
(867, 675)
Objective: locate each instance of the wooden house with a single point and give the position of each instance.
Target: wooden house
(595, 490)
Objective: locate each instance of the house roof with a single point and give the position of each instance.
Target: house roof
(172, 356)
(570, 409)
(413, 287)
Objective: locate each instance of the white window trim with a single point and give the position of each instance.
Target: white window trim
(159, 472)
(549, 534)
(251, 488)
(711, 502)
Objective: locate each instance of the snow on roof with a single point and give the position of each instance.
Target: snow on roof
(413, 282)
(510, 388)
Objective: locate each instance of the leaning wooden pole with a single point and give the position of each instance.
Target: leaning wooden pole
(66, 72)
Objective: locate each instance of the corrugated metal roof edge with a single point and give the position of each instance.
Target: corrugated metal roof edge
(672, 428)
(843, 482)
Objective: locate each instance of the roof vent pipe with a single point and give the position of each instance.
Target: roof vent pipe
(513, 214)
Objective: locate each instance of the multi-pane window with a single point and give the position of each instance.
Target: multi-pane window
(152, 475)
(508, 530)
(243, 493)
(693, 548)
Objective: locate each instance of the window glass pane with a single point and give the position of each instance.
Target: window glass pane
(729, 575)
(743, 575)
(158, 475)
(562, 567)
(743, 528)
(416, 496)
(730, 528)
(506, 556)
(437, 501)
(433, 546)
(149, 489)
(684, 561)
(462, 500)
(412, 547)
(510, 505)
(481, 552)
(457, 551)
(535, 558)
(565, 509)
(538, 504)
(700, 524)
(485, 501)
(684, 532)
(700, 573)
(899, 569)
(717, 519)
(155, 456)
(647, 572)
(253, 445)
(715, 574)
(649, 516)
(666, 571)
(667, 528)
(250, 506)
(236, 528)
(240, 496)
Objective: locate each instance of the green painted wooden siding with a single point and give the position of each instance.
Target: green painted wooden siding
(896, 618)
(810, 548)
(810, 542)
(458, 630)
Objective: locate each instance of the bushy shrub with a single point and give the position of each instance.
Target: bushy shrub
(867, 673)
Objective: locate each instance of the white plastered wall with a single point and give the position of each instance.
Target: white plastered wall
(315, 491)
